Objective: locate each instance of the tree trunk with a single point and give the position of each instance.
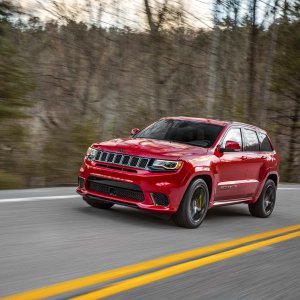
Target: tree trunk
(293, 138)
(154, 27)
(212, 67)
(265, 88)
(251, 64)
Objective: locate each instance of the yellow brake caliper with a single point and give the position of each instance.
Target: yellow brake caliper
(200, 201)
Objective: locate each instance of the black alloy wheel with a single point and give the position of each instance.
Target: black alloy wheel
(194, 205)
(265, 204)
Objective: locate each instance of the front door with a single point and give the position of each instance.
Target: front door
(232, 170)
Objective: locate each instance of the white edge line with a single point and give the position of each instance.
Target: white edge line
(37, 198)
(75, 196)
(288, 188)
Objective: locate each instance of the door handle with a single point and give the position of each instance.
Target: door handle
(244, 157)
(263, 157)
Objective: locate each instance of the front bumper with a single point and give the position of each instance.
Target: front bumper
(170, 184)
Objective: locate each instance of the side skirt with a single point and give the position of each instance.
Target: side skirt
(232, 202)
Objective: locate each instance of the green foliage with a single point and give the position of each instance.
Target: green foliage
(63, 152)
(286, 83)
(93, 84)
(11, 181)
(14, 83)
(287, 63)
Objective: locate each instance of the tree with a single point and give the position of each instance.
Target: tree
(213, 59)
(285, 83)
(252, 72)
(13, 85)
(165, 14)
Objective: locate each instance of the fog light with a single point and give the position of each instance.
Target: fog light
(160, 199)
(81, 182)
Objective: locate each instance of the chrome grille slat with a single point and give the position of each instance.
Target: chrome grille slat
(110, 157)
(115, 156)
(147, 163)
(130, 159)
(103, 156)
(143, 163)
(118, 158)
(137, 164)
(133, 161)
(125, 160)
(97, 157)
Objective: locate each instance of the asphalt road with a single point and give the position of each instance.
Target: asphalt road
(51, 235)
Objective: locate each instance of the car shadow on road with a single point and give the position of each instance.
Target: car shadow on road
(225, 212)
(130, 216)
(141, 218)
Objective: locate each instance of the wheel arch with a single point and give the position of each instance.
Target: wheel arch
(274, 177)
(208, 180)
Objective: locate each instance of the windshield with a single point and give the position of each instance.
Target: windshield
(186, 132)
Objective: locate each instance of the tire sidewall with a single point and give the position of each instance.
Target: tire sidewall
(269, 183)
(188, 198)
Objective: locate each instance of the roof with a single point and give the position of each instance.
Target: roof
(200, 120)
(216, 122)
(248, 126)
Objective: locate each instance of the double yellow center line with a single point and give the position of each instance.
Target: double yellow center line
(268, 238)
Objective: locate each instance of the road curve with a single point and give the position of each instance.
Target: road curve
(50, 235)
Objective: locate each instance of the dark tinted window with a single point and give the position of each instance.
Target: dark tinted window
(186, 132)
(265, 144)
(233, 134)
(251, 141)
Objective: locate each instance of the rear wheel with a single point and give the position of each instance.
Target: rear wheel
(264, 206)
(194, 205)
(98, 203)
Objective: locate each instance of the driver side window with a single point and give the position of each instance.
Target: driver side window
(233, 134)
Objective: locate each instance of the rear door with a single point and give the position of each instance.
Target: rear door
(267, 155)
(255, 160)
(232, 170)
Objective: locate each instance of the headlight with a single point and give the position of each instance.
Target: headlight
(91, 153)
(170, 165)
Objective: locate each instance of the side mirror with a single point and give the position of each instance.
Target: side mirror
(231, 146)
(134, 131)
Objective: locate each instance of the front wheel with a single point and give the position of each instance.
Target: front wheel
(264, 206)
(98, 203)
(194, 205)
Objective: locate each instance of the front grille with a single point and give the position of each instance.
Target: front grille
(115, 188)
(116, 168)
(122, 159)
(160, 199)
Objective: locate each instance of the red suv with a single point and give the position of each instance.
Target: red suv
(183, 166)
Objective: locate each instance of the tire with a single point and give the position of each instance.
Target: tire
(98, 203)
(265, 204)
(194, 205)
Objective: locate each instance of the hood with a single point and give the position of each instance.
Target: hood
(150, 148)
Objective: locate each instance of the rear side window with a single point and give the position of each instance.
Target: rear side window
(265, 144)
(233, 134)
(251, 140)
